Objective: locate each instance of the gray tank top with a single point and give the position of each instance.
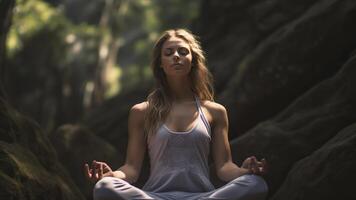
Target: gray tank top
(179, 160)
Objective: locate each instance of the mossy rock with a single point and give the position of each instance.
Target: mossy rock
(29, 168)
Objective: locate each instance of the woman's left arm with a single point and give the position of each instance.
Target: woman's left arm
(226, 169)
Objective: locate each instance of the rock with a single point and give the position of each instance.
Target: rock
(264, 54)
(77, 145)
(305, 126)
(110, 120)
(328, 173)
(29, 168)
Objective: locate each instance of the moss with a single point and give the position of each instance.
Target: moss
(29, 168)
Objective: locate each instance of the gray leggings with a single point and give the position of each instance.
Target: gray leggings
(247, 187)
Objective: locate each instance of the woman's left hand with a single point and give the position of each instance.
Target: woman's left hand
(255, 166)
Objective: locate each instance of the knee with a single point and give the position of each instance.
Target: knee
(260, 183)
(105, 189)
(256, 183)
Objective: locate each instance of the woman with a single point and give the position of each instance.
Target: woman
(180, 125)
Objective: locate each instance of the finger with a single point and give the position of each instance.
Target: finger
(245, 163)
(105, 166)
(259, 164)
(87, 171)
(254, 159)
(255, 165)
(94, 171)
(101, 172)
(95, 164)
(255, 169)
(249, 163)
(264, 161)
(97, 174)
(264, 166)
(99, 168)
(99, 165)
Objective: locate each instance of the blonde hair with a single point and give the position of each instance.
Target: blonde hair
(159, 100)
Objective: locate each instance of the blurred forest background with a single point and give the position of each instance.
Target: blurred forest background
(65, 58)
(71, 69)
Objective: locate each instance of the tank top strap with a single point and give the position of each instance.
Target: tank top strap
(202, 115)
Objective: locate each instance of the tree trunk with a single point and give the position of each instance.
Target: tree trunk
(5, 21)
(108, 49)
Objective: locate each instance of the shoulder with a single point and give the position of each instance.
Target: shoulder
(140, 107)
(139, 110)
(213, 107)
(215, 110)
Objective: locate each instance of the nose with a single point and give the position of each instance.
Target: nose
(176, 55)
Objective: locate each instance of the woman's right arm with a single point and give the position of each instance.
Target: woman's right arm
(136, 146)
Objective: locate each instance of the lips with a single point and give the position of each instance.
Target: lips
(177, 64)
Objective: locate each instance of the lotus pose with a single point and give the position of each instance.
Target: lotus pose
(179, 125)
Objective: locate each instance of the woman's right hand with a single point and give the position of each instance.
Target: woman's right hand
(97, 171)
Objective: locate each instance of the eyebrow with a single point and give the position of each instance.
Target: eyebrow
(170, 48)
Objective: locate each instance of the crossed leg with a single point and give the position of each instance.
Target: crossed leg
(247, 187)
(110, 188)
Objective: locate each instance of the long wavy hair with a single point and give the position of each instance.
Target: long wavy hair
(160, 99)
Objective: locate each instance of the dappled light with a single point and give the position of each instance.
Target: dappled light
(71, 72)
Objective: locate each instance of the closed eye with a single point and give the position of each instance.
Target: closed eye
(183, 51)
(168, 52)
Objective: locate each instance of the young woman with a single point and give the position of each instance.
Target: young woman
(179, 125)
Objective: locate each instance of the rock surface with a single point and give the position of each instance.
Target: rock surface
(29, 168)
(304, 127)
(264, 54)
(328, 173)
(77, 145)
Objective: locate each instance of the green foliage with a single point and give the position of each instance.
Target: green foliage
(58, 61)
(137, 23)
(49, 60)
(29, 17)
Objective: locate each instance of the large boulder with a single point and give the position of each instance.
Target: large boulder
(304, 127)
(264, 54)
(29, 168)
(328, 173)
(77, 145)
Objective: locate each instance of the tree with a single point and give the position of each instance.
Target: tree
(5, 21)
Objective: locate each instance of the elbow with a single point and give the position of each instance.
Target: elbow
(222, 176)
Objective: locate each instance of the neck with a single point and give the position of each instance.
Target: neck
(180, 89)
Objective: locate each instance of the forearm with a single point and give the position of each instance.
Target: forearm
(229, 171)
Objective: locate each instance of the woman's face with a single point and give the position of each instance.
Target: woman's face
(176, 57)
